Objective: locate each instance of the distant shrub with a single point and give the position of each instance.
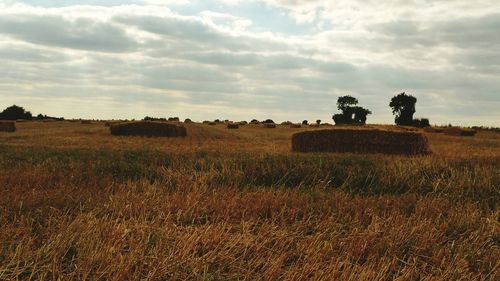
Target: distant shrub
(147, 118)
(14, 113)
(7, 126)
(361, 141)
(233, 126)
(305, 122)
(187, 120)
(268, 121)
(421, 123)
(318, 122)
(254, 121)
(173, 119)
(286, 123)
(242, 123)
(269, 125)
(217, 121)
(148, 129)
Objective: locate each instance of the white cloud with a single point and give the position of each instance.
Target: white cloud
(134, 58)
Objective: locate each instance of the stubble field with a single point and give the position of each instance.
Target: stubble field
(79, 204)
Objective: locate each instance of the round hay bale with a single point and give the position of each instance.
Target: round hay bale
(295, 126)
(7, 126)
(148, 129)
(269, 125)
(361, 141)
(233, 126)
(459, 132)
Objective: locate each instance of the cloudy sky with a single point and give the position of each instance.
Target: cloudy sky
(234, 59)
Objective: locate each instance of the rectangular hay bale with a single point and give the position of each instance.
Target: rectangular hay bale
(361, 141)
(148, 129)
(7, 126)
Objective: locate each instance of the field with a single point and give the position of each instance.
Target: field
(79, 204)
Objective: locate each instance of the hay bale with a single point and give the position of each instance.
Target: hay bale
(433, 130)
(269, 125)
(233, 126)
(361, 141)
(148, 129)
(7, 126)
(459, 132)
(295, 126)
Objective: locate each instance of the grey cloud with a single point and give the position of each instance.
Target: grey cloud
(81, 34)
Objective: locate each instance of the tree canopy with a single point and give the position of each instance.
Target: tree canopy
(403, 106)
(14, 113)
(351, 114)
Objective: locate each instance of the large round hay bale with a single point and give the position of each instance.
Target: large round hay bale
(233, 126)
(7, 126)
(361, 141)
(459, 132)
(269, 125)
(148, 129)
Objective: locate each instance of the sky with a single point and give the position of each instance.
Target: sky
(239, 60)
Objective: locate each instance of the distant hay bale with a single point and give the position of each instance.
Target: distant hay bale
(7, 126)
(459, 132)
(361, 141)
(269, 125)
(86, 122)
(433, 130)
(295, 126)
(233, 126)
(148, 129)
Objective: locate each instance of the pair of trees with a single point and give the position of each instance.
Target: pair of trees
(351, 113)
(403, 107)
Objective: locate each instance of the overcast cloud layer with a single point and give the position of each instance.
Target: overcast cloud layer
(231, 59)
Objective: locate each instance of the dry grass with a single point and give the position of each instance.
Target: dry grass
(79, 204)
(233, 126)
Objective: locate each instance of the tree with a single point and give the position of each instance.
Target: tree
(318, 122)
(351, 114)
(403, 106)
(304, 122)
(268, 121)
(14, 113)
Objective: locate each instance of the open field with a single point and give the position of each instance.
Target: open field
(78, 203)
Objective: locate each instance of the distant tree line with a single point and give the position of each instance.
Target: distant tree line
(15, 112)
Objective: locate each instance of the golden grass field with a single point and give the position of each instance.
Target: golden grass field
(79, 204)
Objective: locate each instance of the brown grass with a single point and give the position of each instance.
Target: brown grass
(148, 129)
(295, 126)
(361, 141)
(7, 126)
(77, 203)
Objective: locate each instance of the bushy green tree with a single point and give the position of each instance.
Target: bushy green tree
(15, 112)
(403, 107)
